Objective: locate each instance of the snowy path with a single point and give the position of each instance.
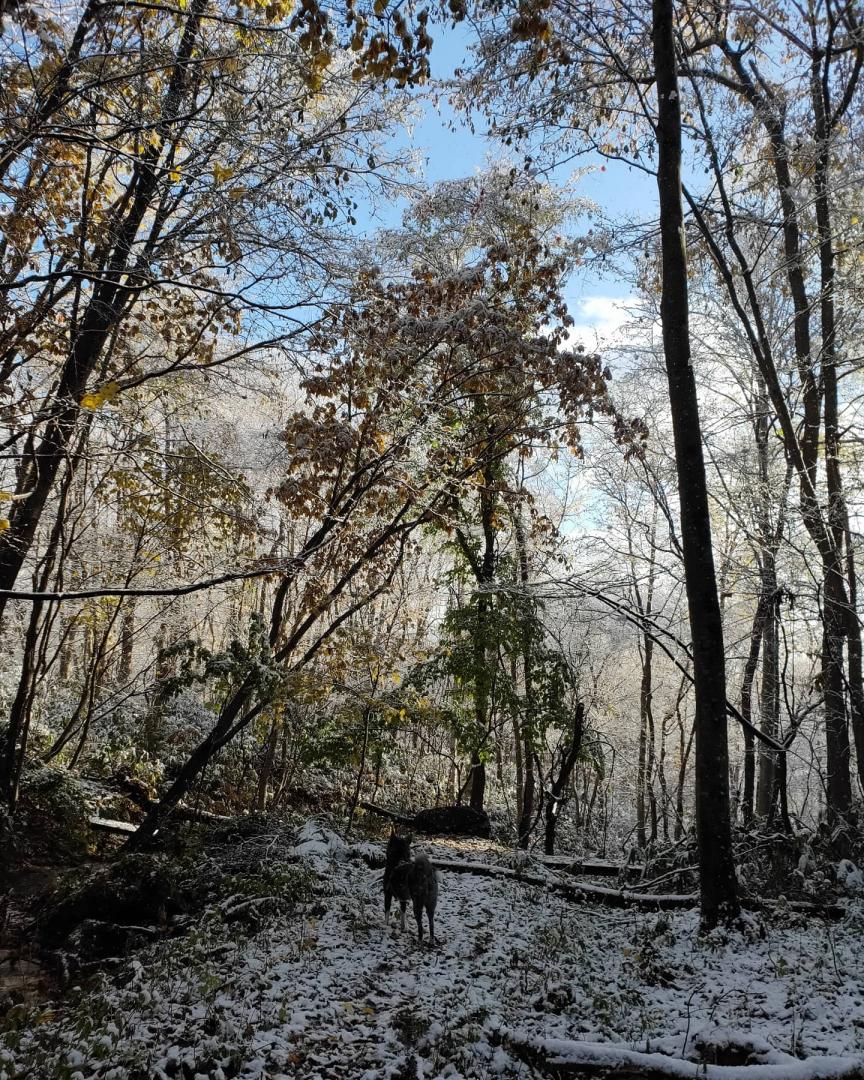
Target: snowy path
(332, 993)
(516, 954)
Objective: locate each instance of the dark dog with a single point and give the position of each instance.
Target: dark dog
(414, 880)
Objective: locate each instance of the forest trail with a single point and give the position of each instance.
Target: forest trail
(369, 1001)
(330, 992)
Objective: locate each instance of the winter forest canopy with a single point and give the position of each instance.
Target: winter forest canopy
(324, 498)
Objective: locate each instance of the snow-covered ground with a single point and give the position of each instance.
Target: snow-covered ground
(330, 992)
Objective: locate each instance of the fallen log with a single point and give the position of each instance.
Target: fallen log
(202, 817)
(119, 828)
(439, 820)
(391, 815)
(136, 793)
(625, 898)
(453, 821)
(568, 1058)
(183, 813)
(592, 867)
(801, 907)
(583, 891)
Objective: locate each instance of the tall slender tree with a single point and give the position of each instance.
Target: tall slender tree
(718, 886)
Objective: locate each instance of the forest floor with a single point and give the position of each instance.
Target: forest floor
(330, 992)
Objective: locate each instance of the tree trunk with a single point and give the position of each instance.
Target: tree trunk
(838, 786)
(856, 668)
(195, 763)
(527, 734)
(516, 719)
(485, 574)
(268, 761)
(526, 822)
(769, 701)
(555, 795)
(645, 766)
(685, 746)
(478, 781)
(127, 642)
(661, 778)
(14, 748)
(748, 794)
(641, 837)
(839, 612)
(718, 886)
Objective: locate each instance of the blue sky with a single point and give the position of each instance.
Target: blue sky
(451, 151)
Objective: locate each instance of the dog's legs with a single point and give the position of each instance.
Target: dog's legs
(418, 915)
(388, 900)
(403, 904)
(430, 914)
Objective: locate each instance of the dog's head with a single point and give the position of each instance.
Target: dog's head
(398, 849)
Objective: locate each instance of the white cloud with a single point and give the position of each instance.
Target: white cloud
(599, 320)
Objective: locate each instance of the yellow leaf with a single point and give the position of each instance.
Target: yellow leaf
(854, 219)
(5, 496)
(97, 398)
(4, 524)
(221, 173)
(175, 175)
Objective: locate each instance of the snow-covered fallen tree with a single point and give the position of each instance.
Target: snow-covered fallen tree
(625, 898)
(566, 1058)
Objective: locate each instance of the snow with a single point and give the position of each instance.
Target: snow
(849, 876)
(318, 843)
(330, 992)
(110, 825)
(561, 1052)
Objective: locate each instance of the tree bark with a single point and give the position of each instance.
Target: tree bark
(748, 795)
(555, 795)
(361, 768)
(127, 643)
(769, 699)
(718, 886)
(268, 761)
(526, 736)
(840, 615)
(482, 667)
